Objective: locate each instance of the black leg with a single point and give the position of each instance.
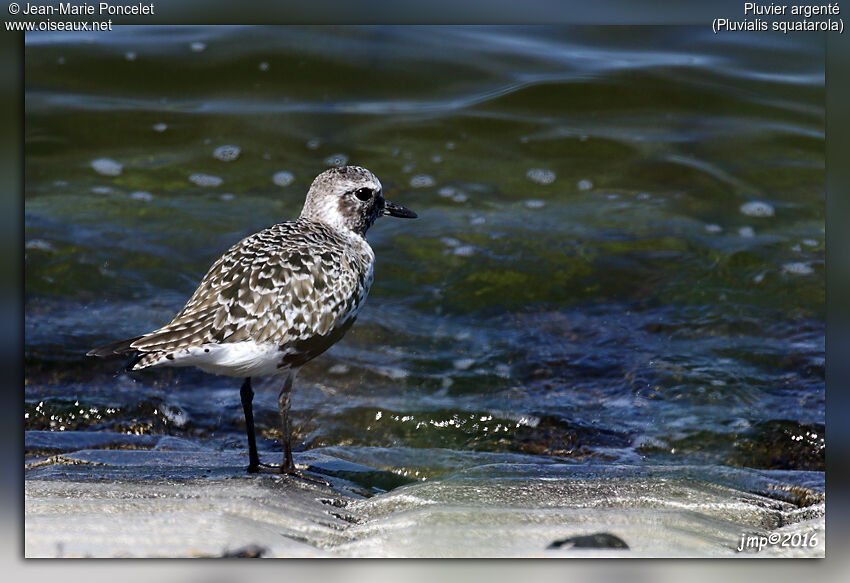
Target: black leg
(247, 398)
(283, 403)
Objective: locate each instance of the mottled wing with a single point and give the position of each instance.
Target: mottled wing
(281, 285)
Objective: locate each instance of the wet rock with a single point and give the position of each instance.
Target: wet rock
(163, 503)
(599, 540)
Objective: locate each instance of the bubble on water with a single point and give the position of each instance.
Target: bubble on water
(60, 61)
(713, 229)
(463, 363)
(503, 370)
(141, 195)
(60, 183)
(130, 56)
(263, 66)
(422, 181)
(313, 144)
(465, 251)
(759, 278)
(460, 197)
(446, 382)
(810, 242)
(450, 241)
(584, 184)
(612, 196)
(227, 196)
(746, 232)
(392, 372)
(160, 127)
(582, 138)
(450, 145)
(757, 208)
(337, 160)
(446, 192)
(205, 180)
(436, 159)
(207, 141)
(227, 153)
(643, 196)
(798, 268)
(198, 47)
(39, 245)
(477, 220)
(267, 156)
(796, 248)
(175, 415)
(101, 190)
(339, 369)
(540, 176)
(106, 167)
(408, 168)
(283, 178)
(534, 203)
(523, 139)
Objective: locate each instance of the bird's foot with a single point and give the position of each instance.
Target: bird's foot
(291, 470)
(261, 468)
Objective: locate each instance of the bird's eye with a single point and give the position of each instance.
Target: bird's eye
(363, 194)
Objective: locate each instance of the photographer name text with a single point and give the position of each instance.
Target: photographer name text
(99, 9)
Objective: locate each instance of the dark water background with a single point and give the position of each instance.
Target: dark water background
(585, 282)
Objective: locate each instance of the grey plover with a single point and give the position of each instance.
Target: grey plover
(278, 298)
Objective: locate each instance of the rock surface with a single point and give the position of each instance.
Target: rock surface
(180, 500)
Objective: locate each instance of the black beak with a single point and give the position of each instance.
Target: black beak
(396, 210)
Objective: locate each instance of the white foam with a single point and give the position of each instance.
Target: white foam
(798, 268)
(540, 175)
(338, 160)
(339, 369)
(141, 195)
(757, 208)
(159, 127)
(713, 229)
(227, 153)
(746, 232)
(205, 180)
(463, 363)
(534, 203)
(465, 251)
(422, 181)
(106, 167)
(283, 178)
(584, 184)
(198, 47)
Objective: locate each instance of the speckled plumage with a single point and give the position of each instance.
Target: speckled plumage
(280, 297)
(296, 286)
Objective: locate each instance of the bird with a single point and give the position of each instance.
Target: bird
(276, 299)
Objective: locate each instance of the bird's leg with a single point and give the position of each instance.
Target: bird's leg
(247, 398)
(283, 404)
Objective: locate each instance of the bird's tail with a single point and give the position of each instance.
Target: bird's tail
(120, 347)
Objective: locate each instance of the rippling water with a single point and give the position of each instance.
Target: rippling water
(620, 256)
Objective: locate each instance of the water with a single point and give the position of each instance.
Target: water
(620, 255)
